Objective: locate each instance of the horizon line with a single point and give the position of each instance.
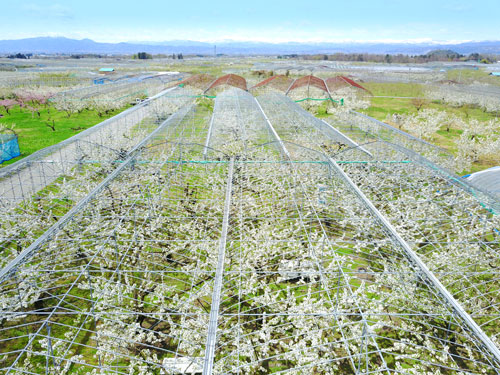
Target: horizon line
(271, 41)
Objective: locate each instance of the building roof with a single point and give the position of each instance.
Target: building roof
(107, 69)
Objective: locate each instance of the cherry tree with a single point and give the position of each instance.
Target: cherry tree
(465, 98)
(479, 140)
(353, 99)
(8, 104)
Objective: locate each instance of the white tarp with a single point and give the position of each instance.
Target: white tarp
(488, 179)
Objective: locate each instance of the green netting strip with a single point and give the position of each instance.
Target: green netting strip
(341, 101)
(256, 162)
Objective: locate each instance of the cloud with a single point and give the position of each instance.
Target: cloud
(458, 6)
(54, 10)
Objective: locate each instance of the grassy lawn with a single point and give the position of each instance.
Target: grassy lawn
(471, 76)
(395, 89)
(34, 133)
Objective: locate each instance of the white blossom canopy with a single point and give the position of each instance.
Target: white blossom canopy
(253, 239)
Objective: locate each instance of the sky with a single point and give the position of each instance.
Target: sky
(255, 20)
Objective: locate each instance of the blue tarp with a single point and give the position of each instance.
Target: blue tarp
(9, 147)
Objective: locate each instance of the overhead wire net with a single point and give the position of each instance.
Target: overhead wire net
(234, 242)
(116, 90)
(40, 189)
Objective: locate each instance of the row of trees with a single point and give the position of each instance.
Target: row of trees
(103, 105)
(142, 56)
(36, 99)
(20, 56)
(478, 140)
(107, 98)
(51, 99)
(465, 99)
(438, 55)
(31, 99)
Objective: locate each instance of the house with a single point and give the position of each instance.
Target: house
(106, 70)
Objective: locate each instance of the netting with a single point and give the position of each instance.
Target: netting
(198, 82)
(434, 157)
(279, 82)
(308, 82)
(254, 239)
(228, 80)
(335, 83)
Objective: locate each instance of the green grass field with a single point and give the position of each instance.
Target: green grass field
(472, 76)
(381, 107)
(34, 133)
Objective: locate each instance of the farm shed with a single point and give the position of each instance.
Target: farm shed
(107, 70)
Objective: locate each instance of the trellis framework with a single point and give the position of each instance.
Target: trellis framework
(278, 82)
(40, 189)
(337, 82)
(228, 80)
(265, 257)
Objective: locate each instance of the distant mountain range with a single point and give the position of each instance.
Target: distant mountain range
(61, 45)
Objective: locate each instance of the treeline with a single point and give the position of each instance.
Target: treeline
(147, 56)
(20, 56)
(142, 56)
(439, 55)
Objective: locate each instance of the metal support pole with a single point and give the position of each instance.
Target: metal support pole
(214, 310)
(50, 352)
(210, 129)
(273, 131)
